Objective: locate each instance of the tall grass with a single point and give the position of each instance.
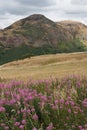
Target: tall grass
(50, 104)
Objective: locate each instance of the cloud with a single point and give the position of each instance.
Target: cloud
(79, 2)
(23, 6)
(57, 10)
(77, 10)
(36, 3)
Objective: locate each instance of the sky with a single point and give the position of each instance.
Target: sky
(56, 10)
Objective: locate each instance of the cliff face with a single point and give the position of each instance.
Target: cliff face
(37, 35)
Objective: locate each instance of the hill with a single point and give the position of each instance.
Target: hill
(76, 29)
(36, 35)
(52, 65)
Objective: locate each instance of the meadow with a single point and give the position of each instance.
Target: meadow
(44, 93)
(50, 104)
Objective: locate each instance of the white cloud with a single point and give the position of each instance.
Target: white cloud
(57, 10)
(79, 2)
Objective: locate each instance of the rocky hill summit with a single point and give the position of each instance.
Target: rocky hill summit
(35, 30)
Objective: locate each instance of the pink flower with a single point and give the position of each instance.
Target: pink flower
(21, 127)
(18, 112)
(85, 102)
(67, 103)
(35, 117)
(2, 109)
(17, 124)
(56, 101)
(73, 126)
(72, 103)
(2, 124)
(6, 128)
(80, 127)
(34, 128)
(85, 125)
(33, 110)
(28, 111)
(75, 112)
(62, 100)
(23, 122)
(65, 124)
(69, 110)
(50, 127)
(12, 101)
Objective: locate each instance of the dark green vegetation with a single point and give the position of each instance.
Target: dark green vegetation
(25, 51)
(37, 35)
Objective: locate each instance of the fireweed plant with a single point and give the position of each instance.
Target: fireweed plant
(49, 104)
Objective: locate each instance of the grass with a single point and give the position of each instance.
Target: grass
(55, 65)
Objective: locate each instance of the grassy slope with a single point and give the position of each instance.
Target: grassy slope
(56, 65)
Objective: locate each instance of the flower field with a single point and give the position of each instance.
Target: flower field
(50, 104)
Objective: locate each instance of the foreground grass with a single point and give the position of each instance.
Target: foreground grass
(57, 65)
(49, 104)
